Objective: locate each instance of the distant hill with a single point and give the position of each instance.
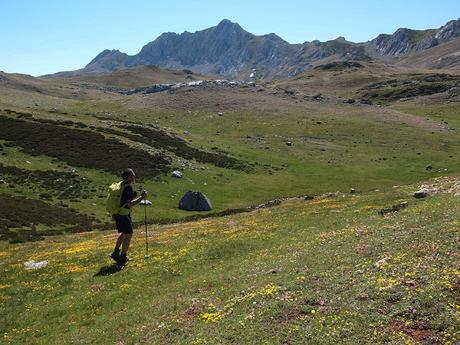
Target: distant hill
(228, 50)
(131, 77)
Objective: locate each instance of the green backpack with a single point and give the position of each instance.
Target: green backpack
(112, 203)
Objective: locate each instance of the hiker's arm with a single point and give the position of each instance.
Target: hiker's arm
(137, 200)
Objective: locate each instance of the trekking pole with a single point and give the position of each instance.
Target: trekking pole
(145, 223)
(146, 203)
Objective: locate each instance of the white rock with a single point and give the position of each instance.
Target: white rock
(176, 174)
(381, 262)
(33, 265)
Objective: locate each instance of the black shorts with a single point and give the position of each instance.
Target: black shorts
(124, 223)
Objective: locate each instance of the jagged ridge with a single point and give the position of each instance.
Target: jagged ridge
(229, 50)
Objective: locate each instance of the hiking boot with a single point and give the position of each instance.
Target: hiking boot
(123, 259)
(115, 255)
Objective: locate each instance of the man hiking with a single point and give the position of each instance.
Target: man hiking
(122, 217)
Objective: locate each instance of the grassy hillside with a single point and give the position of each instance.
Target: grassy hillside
(63, 142)
(323, 271)
(132, 77)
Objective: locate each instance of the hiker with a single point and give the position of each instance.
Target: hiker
(122, 218)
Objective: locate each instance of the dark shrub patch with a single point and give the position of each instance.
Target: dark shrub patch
(24, 115)
(339, 65)
(396, 93)
(417, 85)
(20, 212)
(61, 122)
(81, 148)
(161, 139)
(45, 196)
(56, 182)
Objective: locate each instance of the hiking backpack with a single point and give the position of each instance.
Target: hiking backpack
(112, 204)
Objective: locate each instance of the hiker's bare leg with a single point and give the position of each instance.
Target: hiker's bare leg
(126, 242)
(120, 239)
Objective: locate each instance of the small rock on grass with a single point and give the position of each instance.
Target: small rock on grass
(33, 265)
(394, 208)
(422, 193)
(176, 174)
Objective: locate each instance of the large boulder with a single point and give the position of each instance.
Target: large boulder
(195, 201)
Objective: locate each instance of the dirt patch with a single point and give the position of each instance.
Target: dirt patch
(81, 148)
(418, 333)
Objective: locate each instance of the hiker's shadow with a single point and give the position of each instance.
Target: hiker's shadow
(108, 270)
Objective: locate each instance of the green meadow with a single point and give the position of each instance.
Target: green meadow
(333, 147)
(323, 271)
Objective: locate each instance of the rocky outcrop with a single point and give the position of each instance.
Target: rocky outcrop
(192, 84)
(449, 31)
(405, 41)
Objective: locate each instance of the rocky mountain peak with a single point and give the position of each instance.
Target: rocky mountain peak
(227, 24)
(449, 31)
(107, 60)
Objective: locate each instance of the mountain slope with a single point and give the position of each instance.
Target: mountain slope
(443, 56)
(228, 50)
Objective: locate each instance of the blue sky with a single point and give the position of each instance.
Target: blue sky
(39, 37)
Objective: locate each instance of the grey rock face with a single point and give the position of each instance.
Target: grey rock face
(405, 41)
(228, 50)
(195, 201)
(449, 31)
